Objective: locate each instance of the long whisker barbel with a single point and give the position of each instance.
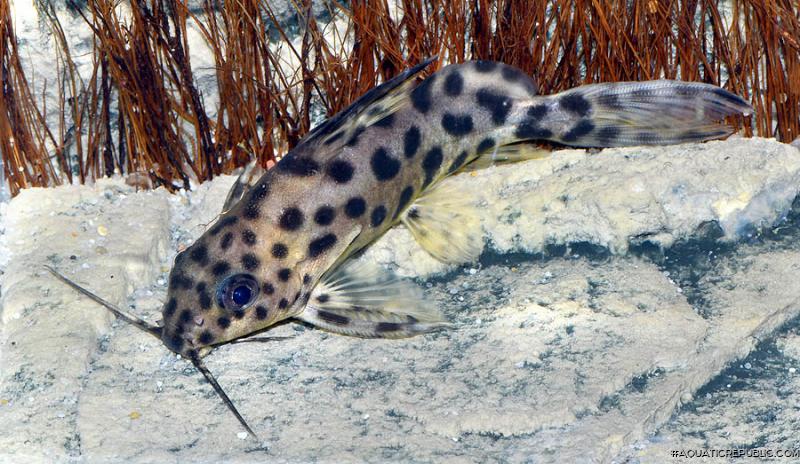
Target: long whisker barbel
(157, 331)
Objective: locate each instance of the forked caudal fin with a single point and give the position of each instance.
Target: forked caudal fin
(660, 112)
(156, 332)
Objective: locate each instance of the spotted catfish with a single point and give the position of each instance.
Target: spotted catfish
(282, 246)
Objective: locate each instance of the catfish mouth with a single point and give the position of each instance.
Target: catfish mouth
(179, 343)
(188, 344)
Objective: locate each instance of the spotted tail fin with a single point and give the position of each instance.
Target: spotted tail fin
(620, 114)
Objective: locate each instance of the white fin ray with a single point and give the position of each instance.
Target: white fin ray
(249, 176)
(446, 223)
(361, 299)
(385, 107)
(504, 154)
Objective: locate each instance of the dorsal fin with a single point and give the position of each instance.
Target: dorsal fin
(250, 175)
(355, 114)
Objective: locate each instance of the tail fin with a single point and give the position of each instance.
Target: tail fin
(633, 113)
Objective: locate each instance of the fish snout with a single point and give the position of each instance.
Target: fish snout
(185, 339)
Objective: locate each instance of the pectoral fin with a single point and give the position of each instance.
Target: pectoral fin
(363, 300)
(445, 222)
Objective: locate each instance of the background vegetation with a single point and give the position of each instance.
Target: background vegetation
(141, 113)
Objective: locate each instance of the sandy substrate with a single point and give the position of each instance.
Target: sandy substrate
(578, 336)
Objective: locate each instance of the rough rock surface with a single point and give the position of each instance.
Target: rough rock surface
(616, 288)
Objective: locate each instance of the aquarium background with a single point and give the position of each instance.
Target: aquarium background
(628, 302)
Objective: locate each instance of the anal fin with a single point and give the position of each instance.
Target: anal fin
(511, 153)
(363, 300)
(446, 223)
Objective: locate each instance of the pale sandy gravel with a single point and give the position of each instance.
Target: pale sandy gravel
(553, 359)
(755, 403)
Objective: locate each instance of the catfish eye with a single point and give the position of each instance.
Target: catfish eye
(237, 292)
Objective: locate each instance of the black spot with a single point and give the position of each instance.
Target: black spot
(279, 251)
(378, 216)
(306, 279)
(356, 134)
(178, 280)
(284, 274)
(298, 165)
(204, 298)
(324, 298)
(538, 111)
(386, 121)
(497, 104)
(453, 84)
(176, 342)
(457, 125)
(486, 145)
(411, 141)
(512, 74)
(226, 241)
(205, 338)
(283, 303)
(324, 215)
(732, 98)
(405, 198)
(647, 137)
(220, 268)
(223, 223)
(199, 254)
(238, 313)
(583, 127)
(355, 207)
(384, 166)
(261, 312)
(201, 286)
(170, 308)
(639, 95)
(458, 162)
(610, 101)
(684, 91)
(333, 318)
(531, 130)
(321, 245)
(223, 322)
(691, 136)
(250, 262)
(185, 316)
(388, 327)
(413, 213)
(421, 95)
(267, 288)
(575, 103)
(340, 171)
(253, 205)
(291, 219)
(485, 66)
(608, 135)
(431, 164)
(248, 237)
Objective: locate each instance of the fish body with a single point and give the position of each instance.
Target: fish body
(283, 245)
(281, 250)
